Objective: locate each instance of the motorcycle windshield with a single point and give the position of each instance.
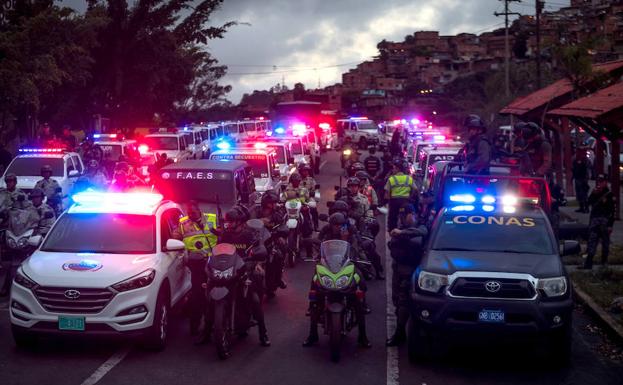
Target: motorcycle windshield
(334, 255)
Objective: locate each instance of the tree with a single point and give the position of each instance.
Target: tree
(153, 59)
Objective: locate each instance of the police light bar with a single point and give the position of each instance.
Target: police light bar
(107, 202)
(359, 118)
(463, 198)
(325, 126)
(103, 136)
(415, 121)
(223, 145)
(280, 130)
(41, 150)
(143, 149)
(260, 146)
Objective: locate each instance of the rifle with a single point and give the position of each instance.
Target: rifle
(219, 212)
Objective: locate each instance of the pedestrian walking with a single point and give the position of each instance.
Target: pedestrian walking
(601, 202)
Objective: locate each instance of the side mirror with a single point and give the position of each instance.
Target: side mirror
(174, 245)
(323, 217)
(35, 240)
(570, 248)
(73, 174)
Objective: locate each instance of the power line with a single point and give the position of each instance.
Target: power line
(294, 70)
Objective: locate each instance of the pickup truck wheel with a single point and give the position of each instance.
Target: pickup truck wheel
(560, 345)
(23, 339)
(418, 341)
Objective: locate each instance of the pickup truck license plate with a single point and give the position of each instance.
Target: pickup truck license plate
(491, 316)
(71, 323)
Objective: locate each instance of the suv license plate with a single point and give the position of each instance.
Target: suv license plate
(491, 316)
(71, 323)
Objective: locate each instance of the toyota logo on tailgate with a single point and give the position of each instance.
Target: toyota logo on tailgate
(492, 286)
(72, 294)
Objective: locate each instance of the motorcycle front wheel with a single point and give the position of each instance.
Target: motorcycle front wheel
(292, 248)
(335, 335)
(221, 329)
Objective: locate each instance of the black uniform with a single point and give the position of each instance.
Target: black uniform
(580, 178)
(406, 253)
(275, 265)
(601, 220)
(477, 155)
(373, 165)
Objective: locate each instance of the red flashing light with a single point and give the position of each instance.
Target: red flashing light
(260, 145)
(325, 126)
(143, 149)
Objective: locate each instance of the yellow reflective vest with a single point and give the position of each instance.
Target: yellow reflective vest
(400, 186)
(197, 239)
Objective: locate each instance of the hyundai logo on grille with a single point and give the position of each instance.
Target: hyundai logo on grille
(72, 294)
(492, 286)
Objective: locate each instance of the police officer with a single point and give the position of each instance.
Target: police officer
(273, 214)
(399, 189)
(339, 228)
(295, 190)
(358, 201)
(539, 150)
(310, 184)
(477, 151)
(366, 188)
(580, 178)
(96, 177)
(50, 187)
(198, 232)
(373, 164)
(9, 194)
(499, 151)
(406, 251)
(601, 220)
(45, 212)
(243, 238)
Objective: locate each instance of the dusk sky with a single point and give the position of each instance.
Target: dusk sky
(312, 41)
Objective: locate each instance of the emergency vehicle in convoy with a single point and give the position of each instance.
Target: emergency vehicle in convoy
(254, 128)
(216, 185)
(116, 148)
(109, 265)
(171, 143)
(195, 144)
(414, 151)
(283, 156)
(66, 168)
(360, 130)
(432, 154)
(261, 161)
(491, 267)
(297, 145)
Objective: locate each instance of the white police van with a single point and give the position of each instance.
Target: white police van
(108, 266)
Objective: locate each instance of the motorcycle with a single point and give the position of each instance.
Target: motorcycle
(229, 288)
(335, 300)
(299, 225)
(276, 257)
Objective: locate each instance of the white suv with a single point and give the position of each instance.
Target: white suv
(109, 265)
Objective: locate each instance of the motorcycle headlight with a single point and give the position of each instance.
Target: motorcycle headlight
(327, 282)
(432, 282)
(223, 274)
(553, 287)
(343, 282)
(347, 152)
(138, 281)
(22, 241)
(22, 280)
(11, 243)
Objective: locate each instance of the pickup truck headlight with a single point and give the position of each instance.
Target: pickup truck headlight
(138, 281)
(432, 282)
(553, 287)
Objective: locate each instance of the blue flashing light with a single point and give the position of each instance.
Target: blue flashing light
(463, 208)
(269, 133)
(488, 208)
(223, 145)
(280, 130)
(97, 136)
(463, 198)
(488, 199)
(462, 263)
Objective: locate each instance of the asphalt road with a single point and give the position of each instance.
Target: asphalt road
(83, 362)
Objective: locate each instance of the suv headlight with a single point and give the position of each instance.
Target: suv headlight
(138, 281)
(22, 280)
(553, 287)
(432, 282)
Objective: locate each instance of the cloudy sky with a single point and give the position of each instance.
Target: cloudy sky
(315, 41)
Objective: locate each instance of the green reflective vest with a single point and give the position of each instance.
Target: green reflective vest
(400, 186)
(197, 239)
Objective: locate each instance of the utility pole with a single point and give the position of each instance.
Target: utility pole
(507, 53)
(539, 8)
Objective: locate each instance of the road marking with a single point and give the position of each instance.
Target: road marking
(392, 351)
(322, 164)
(107, 366)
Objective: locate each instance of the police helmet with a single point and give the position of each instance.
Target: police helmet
(353, 181)
(362, 176)
(530, 130)
(339, 206)
(372, 150)
(46, 168)
(93, 163)
(234, 215)
(36, 192)
(338, 219)
(372, 225)
(358, 166)
(9, 177)
(269, 197)
(296, 177)
(474, 121)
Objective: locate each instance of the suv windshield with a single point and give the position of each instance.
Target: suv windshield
(162, 143)
(366, 125)
(111, 151)
(209, 186)
(501, 233)
(32, 166)
(280, 154)
(103, 233)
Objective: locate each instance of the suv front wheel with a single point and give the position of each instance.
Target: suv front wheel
(156, 335)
